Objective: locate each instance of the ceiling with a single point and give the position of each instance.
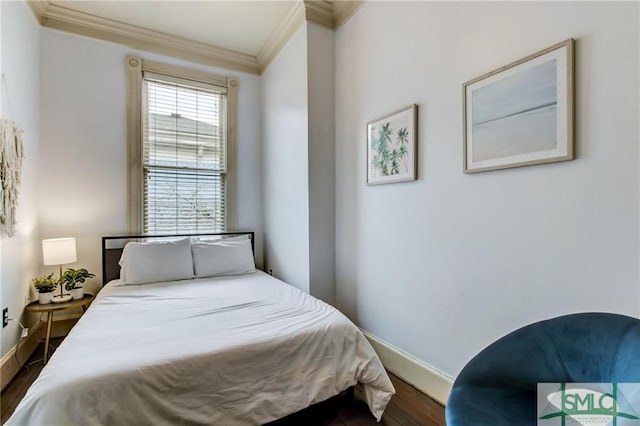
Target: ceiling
(243, 35)
(241, 26)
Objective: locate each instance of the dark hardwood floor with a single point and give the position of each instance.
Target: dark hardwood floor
(409, 407)
(14, 392)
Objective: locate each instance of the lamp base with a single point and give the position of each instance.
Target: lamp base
(60, 299)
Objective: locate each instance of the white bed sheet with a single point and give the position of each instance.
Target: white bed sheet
(240, 350)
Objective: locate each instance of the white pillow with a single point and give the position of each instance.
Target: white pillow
(156, 261)
(222, 258)
(219, 238)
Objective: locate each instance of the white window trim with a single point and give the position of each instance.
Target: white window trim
(135, 198)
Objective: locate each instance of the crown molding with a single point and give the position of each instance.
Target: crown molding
(281, 35)
(331, 14)
(81, 23)
(38, 8)
(344, 10)
(319, 12)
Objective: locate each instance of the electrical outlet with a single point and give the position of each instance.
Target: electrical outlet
(5, 317)
(270, 271)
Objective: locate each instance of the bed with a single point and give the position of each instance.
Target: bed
(225, 350)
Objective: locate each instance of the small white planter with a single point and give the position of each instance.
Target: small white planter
(45, 298)
(77, 293)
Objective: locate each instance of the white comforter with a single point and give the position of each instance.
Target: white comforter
(240, 350)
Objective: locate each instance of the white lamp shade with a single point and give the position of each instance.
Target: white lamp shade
(59, 251)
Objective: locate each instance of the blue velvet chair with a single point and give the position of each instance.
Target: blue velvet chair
(498, 386)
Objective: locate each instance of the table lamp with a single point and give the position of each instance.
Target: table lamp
(59, 251)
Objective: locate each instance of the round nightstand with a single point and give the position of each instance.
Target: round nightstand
(50, 308)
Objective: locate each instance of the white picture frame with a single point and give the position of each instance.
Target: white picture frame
(392, 146)
(521, 114)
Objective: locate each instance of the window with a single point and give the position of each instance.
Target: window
(180, 149)
(184, 157)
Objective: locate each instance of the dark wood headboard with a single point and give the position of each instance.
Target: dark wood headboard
(111, 255)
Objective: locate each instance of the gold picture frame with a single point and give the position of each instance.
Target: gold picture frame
(521, 114)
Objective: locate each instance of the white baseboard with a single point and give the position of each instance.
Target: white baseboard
(10, 364)
(418, 374)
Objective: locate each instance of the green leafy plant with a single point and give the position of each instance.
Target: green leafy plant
(72, 278)
(387, 153)
(45, 283)
(403, 139)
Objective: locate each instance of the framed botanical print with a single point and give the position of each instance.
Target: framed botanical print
(391, 147)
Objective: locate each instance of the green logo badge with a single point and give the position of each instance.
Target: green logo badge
(611, 404)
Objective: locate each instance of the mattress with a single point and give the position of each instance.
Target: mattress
(240, 350)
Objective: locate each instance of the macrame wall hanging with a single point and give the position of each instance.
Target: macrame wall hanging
(11, 154)
(10, 172)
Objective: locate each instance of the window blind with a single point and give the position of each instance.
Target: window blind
(184, 156)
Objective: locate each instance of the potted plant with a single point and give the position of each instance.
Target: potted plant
(44, 286)
(73, 280)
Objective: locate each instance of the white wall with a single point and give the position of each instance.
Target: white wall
(443, 266)
(83, 185)
(285, 171)
(321, 53)
(299, 174)
(20, 254)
